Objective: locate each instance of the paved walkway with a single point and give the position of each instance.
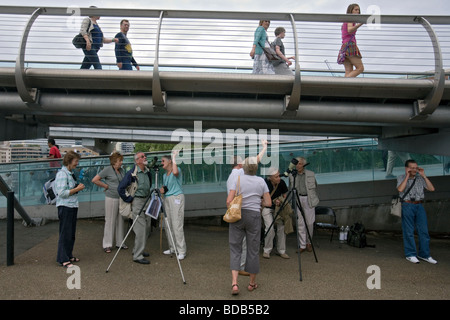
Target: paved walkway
(340, 273)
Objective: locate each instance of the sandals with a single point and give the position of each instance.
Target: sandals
(67, 264)
(107, 250)
(233, 290)
(74, 259)
(252, 287)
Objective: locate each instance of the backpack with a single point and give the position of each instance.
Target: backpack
(49, 194)
(357, 236)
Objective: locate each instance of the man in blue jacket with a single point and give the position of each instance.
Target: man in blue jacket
(141, 228)
(124, 53)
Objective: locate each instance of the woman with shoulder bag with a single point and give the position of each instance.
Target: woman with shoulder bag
(349, 47)
(92, 33)
(261, 65)
(252, 188)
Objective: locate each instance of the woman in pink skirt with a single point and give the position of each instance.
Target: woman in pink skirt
(353, 59)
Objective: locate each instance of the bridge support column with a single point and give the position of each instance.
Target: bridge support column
(102, 146)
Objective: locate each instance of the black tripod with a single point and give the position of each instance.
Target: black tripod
(295, 203)
(154, 193)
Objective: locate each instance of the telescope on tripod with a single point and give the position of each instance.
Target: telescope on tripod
(295, 204)
(156, 205)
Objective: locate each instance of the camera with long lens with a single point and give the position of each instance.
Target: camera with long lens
(292, 167)
(154, 164)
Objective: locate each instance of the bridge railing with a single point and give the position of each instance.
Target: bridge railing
(221, 41)
(333, 161)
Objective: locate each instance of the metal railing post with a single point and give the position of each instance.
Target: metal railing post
(158, 96)
(292, 102)
(10, 228)
(423, 108)
(28, 95)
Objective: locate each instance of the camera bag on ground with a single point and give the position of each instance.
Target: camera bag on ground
(357, 236)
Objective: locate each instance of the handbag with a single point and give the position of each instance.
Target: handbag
(78, 41)
(342, 52)
(233, 213)
(270, 52)
(396, 203)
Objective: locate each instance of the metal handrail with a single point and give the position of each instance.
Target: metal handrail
(291, 102)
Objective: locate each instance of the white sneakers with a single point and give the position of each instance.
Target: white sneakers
(412, 259)
(180, 256)
(429, 260)
(415, 260)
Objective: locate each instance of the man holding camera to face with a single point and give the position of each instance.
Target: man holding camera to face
(141, 175)
(411, 187)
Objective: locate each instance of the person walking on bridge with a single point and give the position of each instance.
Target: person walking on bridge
(353, 59)
(261, 65)
(93, 34)
(124, 53)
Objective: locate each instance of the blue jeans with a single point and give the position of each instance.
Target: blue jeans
(414, 216)
(91, 59)
(126, 64)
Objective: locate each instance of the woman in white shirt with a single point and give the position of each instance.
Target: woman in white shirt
(252, 188)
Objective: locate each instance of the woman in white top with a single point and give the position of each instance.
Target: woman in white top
(252, 188)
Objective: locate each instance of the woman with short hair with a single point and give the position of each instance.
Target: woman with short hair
(114, 222)
(252, 188)
(174, 205)
(66, 189)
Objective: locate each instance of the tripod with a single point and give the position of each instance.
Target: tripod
(157, 193)
(295, 203)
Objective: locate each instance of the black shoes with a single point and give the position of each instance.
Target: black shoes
(142, 261)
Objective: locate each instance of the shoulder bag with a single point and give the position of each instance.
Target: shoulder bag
(125, 207)
(396, 203)
(343, 51)
(270, 52)
(233, 213)
(78, 41)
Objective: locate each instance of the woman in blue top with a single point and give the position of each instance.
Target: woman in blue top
(261, 65)
(93, 35)
(174, 204)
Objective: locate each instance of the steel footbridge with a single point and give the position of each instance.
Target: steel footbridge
(195, 66)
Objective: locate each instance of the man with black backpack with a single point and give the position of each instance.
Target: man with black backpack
(411, 186)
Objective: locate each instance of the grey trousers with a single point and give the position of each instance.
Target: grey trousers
(174, 206)
(249, 227)
(310, 217)
(141, 228)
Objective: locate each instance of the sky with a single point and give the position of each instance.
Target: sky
(386, 7)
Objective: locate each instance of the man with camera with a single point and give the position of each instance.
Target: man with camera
(306, 185)
(411, 187)
(141, 176)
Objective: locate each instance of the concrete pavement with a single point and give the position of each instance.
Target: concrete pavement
(340, 273)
